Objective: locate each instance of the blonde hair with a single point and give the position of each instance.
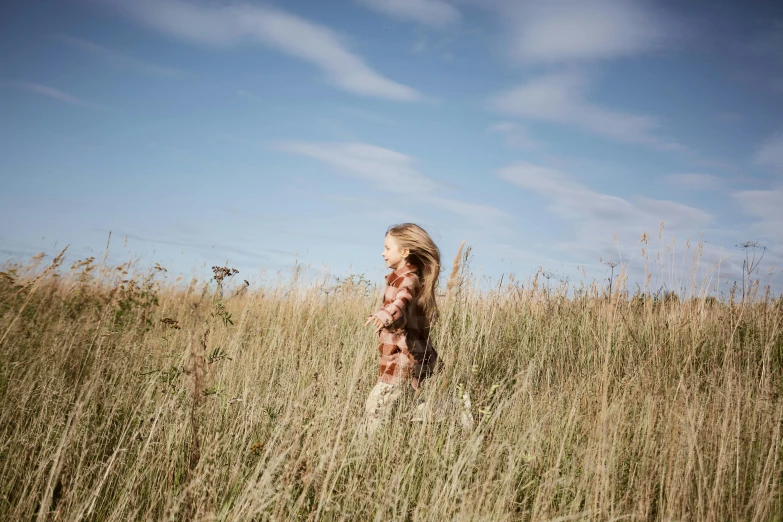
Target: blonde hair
(425, 256)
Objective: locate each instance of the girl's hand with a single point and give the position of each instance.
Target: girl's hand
(378, 323)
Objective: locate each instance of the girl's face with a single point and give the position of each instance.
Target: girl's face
(394, 257)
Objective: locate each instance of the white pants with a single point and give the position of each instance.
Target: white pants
(380, 404)
(384, 397)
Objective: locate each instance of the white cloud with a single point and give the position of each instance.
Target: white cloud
(392, 172)
(242, 93)
(226, 25)
(470, 210)
(117, 57)
(368, 115)
(770, 152)
(677, 216)
(387, 169)
(694, 181)
(570, 30)
(559, 98)
(729, 117)
(516, 135)
(56, 94)
(503, 127)
(421, 44)
(569, 199)
(430, 12)
(759, 57)
(598, 219)
(597, 216)
(765, 206)
(526, 255)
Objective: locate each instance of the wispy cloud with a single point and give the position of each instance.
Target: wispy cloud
(764, 206)
(729, 117)
(516, 135)
(694, 181)
(55, 94)
(242, 93)
(560, 98)
(598, 216)
(231, 250)
(767, 42)
(760, 60)
(429, 12)
(391, 172)
(368, 116)
(386, 169)
(573, 200)
(571, 30)
(230, 24)
(770, 152)
(116, 57)
(608, 227)
(483, 214)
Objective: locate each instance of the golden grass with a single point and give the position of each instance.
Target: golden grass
(453, 282)
(586, 408)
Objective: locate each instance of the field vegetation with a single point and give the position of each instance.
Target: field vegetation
(129, 395)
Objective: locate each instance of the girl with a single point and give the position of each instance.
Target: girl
(403, 322)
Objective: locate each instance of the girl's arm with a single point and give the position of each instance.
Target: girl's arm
(396, 309)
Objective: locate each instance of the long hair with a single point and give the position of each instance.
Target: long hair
(425, 256)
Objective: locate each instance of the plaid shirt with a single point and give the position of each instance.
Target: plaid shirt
(403, 341)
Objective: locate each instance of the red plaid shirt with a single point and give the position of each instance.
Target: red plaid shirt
(404, 340)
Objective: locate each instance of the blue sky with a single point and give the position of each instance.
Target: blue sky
(546, 134)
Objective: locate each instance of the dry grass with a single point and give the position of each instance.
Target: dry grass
(453, 282)
(586, 408)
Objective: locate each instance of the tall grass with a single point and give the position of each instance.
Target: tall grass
(590, 407)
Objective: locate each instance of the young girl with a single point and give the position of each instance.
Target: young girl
(407, 356)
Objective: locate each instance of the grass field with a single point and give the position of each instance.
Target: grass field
(591, 407)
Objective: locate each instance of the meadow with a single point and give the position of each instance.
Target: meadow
(129, 395)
